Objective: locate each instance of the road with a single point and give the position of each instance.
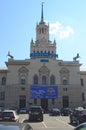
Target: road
(49, 123)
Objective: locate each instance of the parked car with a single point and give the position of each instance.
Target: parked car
(12, 126)
(66, 111)
(35, 113)
(15, 109)
(10, 115)
(54, 112)
(78, 116)
(23, 111)
(82, 126)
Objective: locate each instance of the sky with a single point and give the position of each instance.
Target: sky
(66, 19)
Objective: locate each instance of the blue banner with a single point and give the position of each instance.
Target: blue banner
(41, 54)
(44, 92)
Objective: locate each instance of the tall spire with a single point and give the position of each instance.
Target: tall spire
(42, 17)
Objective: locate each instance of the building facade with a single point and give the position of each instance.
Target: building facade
(43, 79)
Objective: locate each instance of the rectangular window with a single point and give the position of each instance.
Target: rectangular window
(82, 83)
(64, 82)
(65, 89)
(65, 101)
(83, 97)
(22, 81)
(2, 95)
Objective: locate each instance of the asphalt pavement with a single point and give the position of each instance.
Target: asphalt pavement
(49, 122)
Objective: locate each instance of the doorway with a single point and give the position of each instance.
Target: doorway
(65, 101)
(22, 101)
(44, 104)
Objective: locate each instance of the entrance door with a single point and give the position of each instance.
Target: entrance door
(65, 101)
(22, 101)
(44, 104)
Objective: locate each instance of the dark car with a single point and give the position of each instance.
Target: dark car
(78, 116)
(12, 126)
(54, 112)
(66, 111)
(35, 113)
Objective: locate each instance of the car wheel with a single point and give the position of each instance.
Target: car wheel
(41, 119)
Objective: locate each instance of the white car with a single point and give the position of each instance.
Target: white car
(10, 115)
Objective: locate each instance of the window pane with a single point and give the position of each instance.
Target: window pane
(64, 82)
(22, 81)
(82, 84)
(3, 81)
(43, 80)
(35, 79)
(52, 80)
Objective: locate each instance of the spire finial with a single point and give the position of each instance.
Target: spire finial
(42, 17)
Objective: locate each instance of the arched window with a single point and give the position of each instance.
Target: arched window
(3, 81)
(23, 81)
(43, 80)
(35, 79)
(39, 30)
(65, 81)
(52, 80)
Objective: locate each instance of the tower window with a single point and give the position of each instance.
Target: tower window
(45, 30)
(39, 30)
(42, 30)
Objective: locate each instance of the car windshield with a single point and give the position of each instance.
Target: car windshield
(55, 109)
(35, 109)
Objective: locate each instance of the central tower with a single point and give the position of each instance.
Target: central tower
(42, 47)
(42, 30)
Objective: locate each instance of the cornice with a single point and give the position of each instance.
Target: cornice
(69, 63)
(17, 62)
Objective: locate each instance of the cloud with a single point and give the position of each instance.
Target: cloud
(59, 30)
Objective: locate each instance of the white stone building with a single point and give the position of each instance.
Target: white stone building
(43, 79)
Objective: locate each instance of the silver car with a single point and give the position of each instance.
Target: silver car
(15, 126)
(10, 115)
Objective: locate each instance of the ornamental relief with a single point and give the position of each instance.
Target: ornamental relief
(44, 70)
(23, 71)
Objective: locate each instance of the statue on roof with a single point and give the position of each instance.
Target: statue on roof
(10, 55)
(76, 57)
